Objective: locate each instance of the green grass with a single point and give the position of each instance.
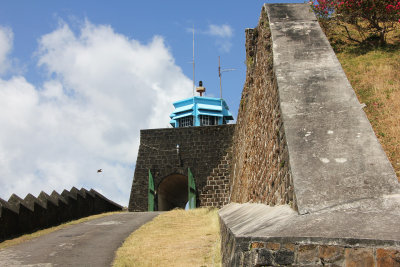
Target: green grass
(174, 238)
(374, 74)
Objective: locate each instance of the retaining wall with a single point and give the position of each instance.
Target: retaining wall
(19, 216)
(346, 198)
(260, 161)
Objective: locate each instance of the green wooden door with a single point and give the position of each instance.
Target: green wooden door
(192, 190)
(151, 193)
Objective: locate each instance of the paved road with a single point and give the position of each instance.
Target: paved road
(91, 243)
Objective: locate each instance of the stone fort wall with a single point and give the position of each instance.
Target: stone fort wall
(19, 216)
(309, 184)
(260, 161)
(303, 141)
(205, 150)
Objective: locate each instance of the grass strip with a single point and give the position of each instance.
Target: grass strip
(374, 75)
(174, 238)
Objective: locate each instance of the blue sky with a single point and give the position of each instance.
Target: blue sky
(79, 79)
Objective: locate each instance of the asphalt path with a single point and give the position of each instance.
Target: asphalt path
(91, 243)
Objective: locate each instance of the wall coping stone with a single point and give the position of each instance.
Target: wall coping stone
(334, 155)
(357, 225)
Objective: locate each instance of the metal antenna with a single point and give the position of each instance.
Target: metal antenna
(220, 74)
(194, 86)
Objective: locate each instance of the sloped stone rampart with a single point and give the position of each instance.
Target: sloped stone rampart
(335, 157)
(346, 194)
(260, 168)
(19, 216)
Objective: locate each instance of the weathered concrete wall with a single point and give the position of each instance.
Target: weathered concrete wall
(19, 216)
(260, 162)
(200, 148)
(345, 190)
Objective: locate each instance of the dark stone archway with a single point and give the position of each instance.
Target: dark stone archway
(172, 192)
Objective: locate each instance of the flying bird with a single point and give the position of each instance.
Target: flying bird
(99, 170)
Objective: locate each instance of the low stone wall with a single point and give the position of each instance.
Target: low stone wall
(305, 253)
(19, 216)
(270, 253)
(260, 235)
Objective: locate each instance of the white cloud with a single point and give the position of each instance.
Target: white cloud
(224, 45)
(223, 34)
(102, 89)
(223, 31)
(6, 39)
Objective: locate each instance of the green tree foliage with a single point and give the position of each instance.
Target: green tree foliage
(372, 19)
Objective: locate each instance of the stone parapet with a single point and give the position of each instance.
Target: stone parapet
(19, 216)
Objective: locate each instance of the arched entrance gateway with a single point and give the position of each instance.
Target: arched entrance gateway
(172, 192)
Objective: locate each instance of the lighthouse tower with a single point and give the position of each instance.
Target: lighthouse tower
(200, 111)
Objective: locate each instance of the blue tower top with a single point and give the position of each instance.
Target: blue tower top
(200, 111)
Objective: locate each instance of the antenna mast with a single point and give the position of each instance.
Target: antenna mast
(194, 86)
(220, 75)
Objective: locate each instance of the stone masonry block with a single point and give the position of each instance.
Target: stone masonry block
(387, 257)
(307, 254)
(273, 246)
(264, 257)
(284, 257)
(359, 257)
(331, 254)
